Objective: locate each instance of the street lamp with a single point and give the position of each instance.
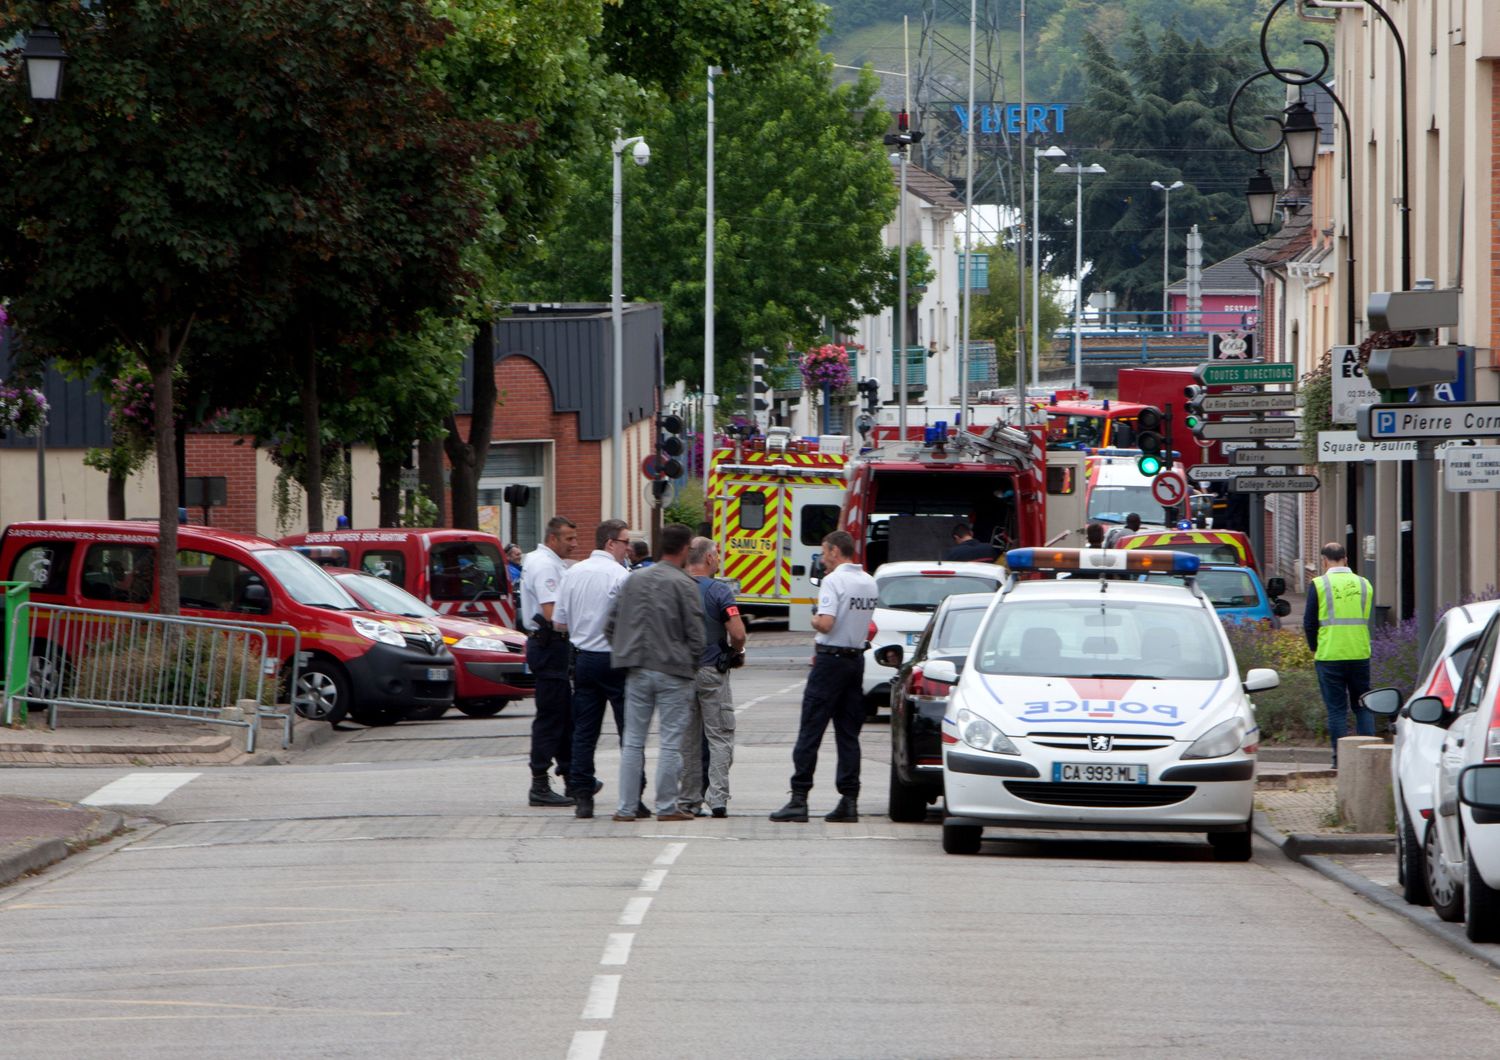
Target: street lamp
(1261, 194)
(1078, 171)
(706, 431)
(1166, 245)
(44, 58)
(1037, 154)
(641, 153)
(1299, 130)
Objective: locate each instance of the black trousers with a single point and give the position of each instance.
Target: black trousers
(595, 682)
(552, 728)
(833, 693)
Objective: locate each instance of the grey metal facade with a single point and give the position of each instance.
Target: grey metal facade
(79, 418)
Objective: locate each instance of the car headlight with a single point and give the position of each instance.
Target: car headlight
(1223, 739)
(475, 642)
(976, 732)
(378, 631)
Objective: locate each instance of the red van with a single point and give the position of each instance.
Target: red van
(458, 572)
(371, 668)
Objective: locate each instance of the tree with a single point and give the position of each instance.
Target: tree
(995, 315)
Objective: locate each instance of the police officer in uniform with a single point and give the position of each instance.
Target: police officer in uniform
(1337, 625)
(547, 656)
(834, 692)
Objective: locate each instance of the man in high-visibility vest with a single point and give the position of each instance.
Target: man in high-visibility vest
(1337, 624)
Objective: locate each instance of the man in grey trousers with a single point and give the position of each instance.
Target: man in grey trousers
(656, 633)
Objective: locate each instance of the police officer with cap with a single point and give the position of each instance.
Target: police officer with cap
(834, 692)
(547, 656)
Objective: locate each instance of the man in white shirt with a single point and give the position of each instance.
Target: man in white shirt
(584, 601)
(547, 655)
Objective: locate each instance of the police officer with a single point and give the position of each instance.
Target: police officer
(547, 656)
(1337, 625)
(834, 692)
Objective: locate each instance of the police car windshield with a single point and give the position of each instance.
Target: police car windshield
(305, 581)
(1102, 639)
(920, 592)
(383, 596)
(1111, 504)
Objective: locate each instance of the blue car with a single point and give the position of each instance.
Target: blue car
(1237, 594)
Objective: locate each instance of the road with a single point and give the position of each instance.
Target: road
(390, 894)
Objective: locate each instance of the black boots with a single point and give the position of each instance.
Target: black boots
(846, 812)
(794, 810)
(584, 807)
(541, 793)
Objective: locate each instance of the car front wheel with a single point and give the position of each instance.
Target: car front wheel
(907, 804)
(1443, 887)
(961, 838)
(322, 692)
(1412, 864)
(1481, 905)
(1231, 846)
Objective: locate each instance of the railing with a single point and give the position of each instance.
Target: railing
(159, 666)
(1175, 322)
(982, 363)
(1144, 348)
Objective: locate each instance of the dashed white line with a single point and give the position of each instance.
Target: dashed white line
(635, 911)
(139, 789)
(617, 949)
(761, 699)
(670, 855)
(587, 1045)
(653, 879)
(603, 992)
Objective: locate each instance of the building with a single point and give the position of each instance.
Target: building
(1231, 297)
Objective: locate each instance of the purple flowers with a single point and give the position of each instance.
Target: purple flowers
(826, 366)
(23, 409)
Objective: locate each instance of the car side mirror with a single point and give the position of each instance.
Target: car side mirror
(1281, 608)
(256, 599)
(890, 655)
(1479, 787)
(943, 671)
(1276, 587)
(1260, 679)
(816, 570)
(1385, 701)
(1426, 710)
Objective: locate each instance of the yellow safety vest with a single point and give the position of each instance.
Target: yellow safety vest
(1344, 604)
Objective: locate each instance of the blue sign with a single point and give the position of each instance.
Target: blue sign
(1458, 390)
(1040, 118)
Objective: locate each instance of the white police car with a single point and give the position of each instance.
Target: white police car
(1101, 705)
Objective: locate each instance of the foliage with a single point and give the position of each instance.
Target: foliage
(996, 314)
(1293, 711)
(1315, 395)
(687, 508)
(826, 365)
(420, 510)
(288, 496)
(23, 409)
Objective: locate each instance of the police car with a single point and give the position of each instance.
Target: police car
(1101, 705)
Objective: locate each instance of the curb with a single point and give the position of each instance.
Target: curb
(306, 734)
(45, 852)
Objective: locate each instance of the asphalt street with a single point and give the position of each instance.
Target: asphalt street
(389, 893)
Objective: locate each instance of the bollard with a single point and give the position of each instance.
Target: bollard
(1348, 778)
(1372, 808)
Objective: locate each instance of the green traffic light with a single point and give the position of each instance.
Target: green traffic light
(1148, 464)
(1193, 422)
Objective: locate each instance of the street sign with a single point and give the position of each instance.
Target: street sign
(1473, 419)
(1168, 488)
(1217, 472)
(1467, 470)
(1234, 447)
(1413, 310)
(1263, 402)
(1227, 372)
(1249, 429)
(1274, 484)
(1263, 458)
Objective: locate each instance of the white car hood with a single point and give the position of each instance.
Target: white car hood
(1183, 710)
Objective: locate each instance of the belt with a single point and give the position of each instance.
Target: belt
(846, 653)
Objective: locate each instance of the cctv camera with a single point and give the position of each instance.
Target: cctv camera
(641, 153)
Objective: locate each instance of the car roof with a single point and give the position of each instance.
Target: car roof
(1091, 588)
(967, 602)
(1462, 620)
(982, 570)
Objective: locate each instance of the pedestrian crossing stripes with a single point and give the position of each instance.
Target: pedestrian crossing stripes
(139, 789)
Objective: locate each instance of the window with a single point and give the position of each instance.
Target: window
(959, 627)
(121, 573)
(913, 592)
(1090, 638)
(817, 522)
(752, 510)
(1479, 671)
(44, 566)
(466, 570)
(209, 582)
(390, 566)
(520, 464)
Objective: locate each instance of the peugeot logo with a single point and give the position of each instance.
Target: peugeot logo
(1101, 743)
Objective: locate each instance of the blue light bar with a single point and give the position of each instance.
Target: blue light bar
(1127, 560)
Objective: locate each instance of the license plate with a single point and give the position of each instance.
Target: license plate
(1097, 773)
(437, 673)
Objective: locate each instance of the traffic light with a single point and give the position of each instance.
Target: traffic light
(870, 390)
(1193, 414)
(669, 445)
(1149, 424)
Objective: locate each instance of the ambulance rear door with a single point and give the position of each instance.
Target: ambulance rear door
(814, 515)
(751, 538)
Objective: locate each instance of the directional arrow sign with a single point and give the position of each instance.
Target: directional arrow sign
(1470, 419)
(1274, 484)
(1217, 472)
(1263, 458)
(1252, 429)
(1220, 373)
(1249, 402)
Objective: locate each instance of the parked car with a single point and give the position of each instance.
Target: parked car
(491, 660)
(1238, 595)
(1416, 746)
(917, 703)
(1100, 705)
(908, 592)
(369, 667)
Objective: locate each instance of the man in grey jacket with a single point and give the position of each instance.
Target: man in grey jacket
(656, 633)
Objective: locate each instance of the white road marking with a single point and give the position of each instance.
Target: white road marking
(139, 789)
(635, 911)
(602, 994)
(670, 855)
(652, 880)
(617, 949)
(761, 699)
(587, 1045)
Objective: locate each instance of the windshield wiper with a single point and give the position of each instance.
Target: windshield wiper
(1140, 676)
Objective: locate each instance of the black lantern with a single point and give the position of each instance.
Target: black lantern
(1262, 196)
(45, 58)
(1299, 130)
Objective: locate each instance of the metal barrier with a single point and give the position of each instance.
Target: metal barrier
(123, 662)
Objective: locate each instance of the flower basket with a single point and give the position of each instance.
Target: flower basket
(826, 366)
(23, 409)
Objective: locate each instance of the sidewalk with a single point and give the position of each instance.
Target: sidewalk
(122, 740)
(35, 833)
